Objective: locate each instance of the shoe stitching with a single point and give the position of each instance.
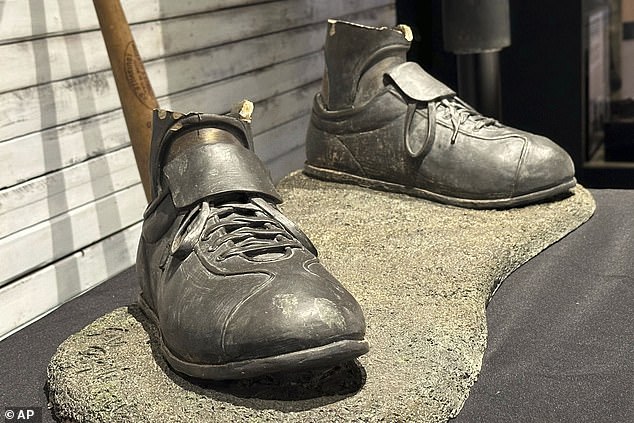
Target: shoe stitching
(234, 310)
(520, 163)
(352, 156)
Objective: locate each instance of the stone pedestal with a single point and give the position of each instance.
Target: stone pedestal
(422, 272)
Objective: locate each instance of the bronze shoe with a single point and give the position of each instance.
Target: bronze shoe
(382, 122)
(234, 286)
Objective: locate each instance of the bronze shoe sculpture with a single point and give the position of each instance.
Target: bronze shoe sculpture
(384, 123)
(234, 287)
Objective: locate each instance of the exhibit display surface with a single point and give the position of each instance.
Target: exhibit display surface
(234, 286)
(422, 271)
(384, 123)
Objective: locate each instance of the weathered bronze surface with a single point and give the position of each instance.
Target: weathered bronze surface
(233, 285)
(384, 123)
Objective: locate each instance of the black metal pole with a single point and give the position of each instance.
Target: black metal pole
(476, 30)
(479, 82)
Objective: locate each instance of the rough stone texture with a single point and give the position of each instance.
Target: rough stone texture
(423, 273)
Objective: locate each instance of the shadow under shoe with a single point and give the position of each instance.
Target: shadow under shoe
(283, 391)
(384, 123)
(234, 286)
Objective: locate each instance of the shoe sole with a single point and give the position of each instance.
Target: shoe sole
(501, 203)
(323, 356)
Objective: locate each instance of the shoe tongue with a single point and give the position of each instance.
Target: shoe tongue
(418, 84)
(217, 170)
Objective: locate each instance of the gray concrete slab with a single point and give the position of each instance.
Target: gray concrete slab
(423, 273)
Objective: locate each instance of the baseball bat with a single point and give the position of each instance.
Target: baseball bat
(134, 88)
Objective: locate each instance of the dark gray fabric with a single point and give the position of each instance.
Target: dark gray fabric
(418, 84)
(561, 329)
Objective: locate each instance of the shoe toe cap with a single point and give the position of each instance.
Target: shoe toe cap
(294, 313)
(544, 166)
(296, 305)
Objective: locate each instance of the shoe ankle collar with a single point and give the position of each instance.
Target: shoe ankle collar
(350, 50)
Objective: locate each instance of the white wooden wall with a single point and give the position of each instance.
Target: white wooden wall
(70, 196)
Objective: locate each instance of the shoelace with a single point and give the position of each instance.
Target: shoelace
(454, 109)
(238, 229)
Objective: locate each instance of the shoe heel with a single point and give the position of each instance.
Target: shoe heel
(324, 149)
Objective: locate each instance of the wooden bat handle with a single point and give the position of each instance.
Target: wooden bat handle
(134, 88)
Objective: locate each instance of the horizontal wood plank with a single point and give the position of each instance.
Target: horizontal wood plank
(22, 19)
(46, 151)
(52, 149)
(68, 56)
(284, 108)
(256, 86)
(277, 141)
(57, 103)
(45, 197)
(35, 295)
(38, 245)
(69, 187)
(55, 193)
(291, 160)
